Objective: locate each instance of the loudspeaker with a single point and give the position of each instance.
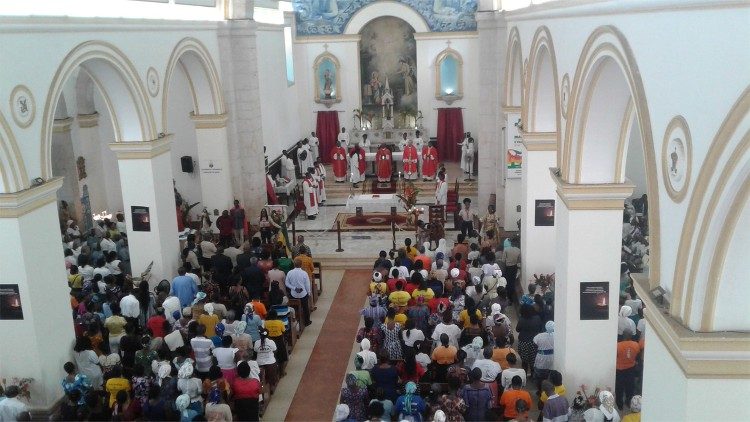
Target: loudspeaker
(187, 164)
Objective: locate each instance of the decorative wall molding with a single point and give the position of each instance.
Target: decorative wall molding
(142, 150)
(209, 121)
(676, 158)
(62, 125)
(579, 196)
(14, 205)
(539, 141)
(22, 106)
(88, 120)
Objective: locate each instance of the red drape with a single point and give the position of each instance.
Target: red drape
(327, 131)
(450, 131)
(270, 193)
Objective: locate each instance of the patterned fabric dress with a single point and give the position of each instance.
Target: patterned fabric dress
(391, 341)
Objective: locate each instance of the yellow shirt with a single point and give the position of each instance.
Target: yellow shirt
(399, 298)
(275, 327)
(411, 252)
(116, 325)
(559, 390)
(633, 417)
(400, 318)
(426, 294)
(379, 288)
(209, 321)
(113, 386)
(463, 317)
(75, 281)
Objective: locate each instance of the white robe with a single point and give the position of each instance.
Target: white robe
(307, 162)
(315, 147)
(354, 168)
(310, 197)
(419, 143)
(287, 168)
(402, 144)
(468, 159)
(441, 193)
(344, 139)
(320, 176)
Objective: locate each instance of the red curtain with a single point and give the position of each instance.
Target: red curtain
(450, 131)
(327, 131)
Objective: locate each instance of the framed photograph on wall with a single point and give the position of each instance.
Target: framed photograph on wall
(141, 219)
(544, 212)
(594, 300)
(10, 302)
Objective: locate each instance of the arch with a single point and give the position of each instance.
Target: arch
(385, 8)
(123, 91)
(13, 175)
(203, 78)
(716, 202)
(459, 89)
(514, 71)
(540, 111)
(607, 61)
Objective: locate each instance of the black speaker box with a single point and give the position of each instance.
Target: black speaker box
(187, 164)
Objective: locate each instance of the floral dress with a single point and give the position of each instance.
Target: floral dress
(356, 399)
(141, 387)
(391, 341)
(374, 335)
(80, 382)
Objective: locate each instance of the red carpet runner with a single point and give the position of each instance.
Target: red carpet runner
(320, 386)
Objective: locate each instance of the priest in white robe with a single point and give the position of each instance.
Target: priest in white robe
(470, 151)
(344, 138)
(304, 156)
(287, 166)
(464, 145)
(419, 144)
(310, 196)
(314, 146)
(441, 190)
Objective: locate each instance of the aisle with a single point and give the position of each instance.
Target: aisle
(318, 390)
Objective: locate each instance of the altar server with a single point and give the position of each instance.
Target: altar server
(287, 166)
(470, 151)
(304, 156)
(344, 138)
(314, 146)
(383, 160)
(441, 190)
(320, 178)
(356, 164)
(410, 161)
(464, 145)
(338, 162)
(419, 144)
(403, 142)
(365, 142)
(429, 161)
(310, 196)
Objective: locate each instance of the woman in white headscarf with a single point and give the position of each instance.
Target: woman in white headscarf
(635, 409)
(545, 356)
(240, 339)
(474, 351)
(607, 406)
(190, 386)
(624, 323)
(427, 252)
(442, 248)
(369, 358)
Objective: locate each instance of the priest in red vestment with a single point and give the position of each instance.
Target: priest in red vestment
(338, 162)
(411, 158)
(429, 161)
(383, 160)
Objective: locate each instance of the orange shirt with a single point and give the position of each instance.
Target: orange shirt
(444, 355)
(501, 356)
(308, 266)
(627, 351)
(509, 399)
(426, 261)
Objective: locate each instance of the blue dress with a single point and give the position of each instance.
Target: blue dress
(80, 383)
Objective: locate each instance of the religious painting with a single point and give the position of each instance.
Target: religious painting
(327, 86)
(10, 302)
(594, 300)
(330, 17)
(388, 65)
(141, 219)
(544, 212)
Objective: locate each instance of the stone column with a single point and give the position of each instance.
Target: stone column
(37, 345)
(146, 181)
(64, 165)
(213, 160)
(492, 32)
(239, 66)
(589, 239)
(538, 242)
(90, 148)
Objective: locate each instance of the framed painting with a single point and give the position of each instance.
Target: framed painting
(327, 84)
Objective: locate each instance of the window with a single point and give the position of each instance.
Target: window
(289, 54)
(448, 78)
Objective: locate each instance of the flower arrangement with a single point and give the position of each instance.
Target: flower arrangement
(409, 196)
(24, 385)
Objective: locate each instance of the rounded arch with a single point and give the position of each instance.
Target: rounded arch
(514, 71)
(540, 110)
(385, 8)
(718, 202)
(593, 143)
(123, 91)
(13, 176)
(449, 52)
(203, 78)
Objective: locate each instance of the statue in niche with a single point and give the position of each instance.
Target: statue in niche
(88, 220)
(81, 164)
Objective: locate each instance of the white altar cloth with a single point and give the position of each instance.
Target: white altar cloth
(372, 202)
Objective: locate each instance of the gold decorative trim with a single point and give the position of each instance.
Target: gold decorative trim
(677, 123)
(459, 93)
(316, 67)
(141, 150)
(625, 125)
(209, 121)
(211, 74)
(719, 143)
(14, 205)
(699, 355)
(594, 47)
(62, 125)
(515, 60)
(539, 141)
(17, 178)
(22, 123)
(88, 120)
(579, 196)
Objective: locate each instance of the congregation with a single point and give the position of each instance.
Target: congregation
(448, 338)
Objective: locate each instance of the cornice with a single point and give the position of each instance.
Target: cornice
(539, 141)
(209, 121)
(62, 125)
(580, 196)
(17, 204)
(88, 120)
(141, 150)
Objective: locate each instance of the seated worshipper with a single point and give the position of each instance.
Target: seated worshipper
(382, 264)
(276, 328)
(369, 358)
(410, 405)
(477, 396)
(377, 285)
(375, 310)
(354, 396)
(511, 396)
(422, 290)
(399, 298)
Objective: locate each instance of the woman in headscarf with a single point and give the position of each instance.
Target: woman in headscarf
(442, 247)
(458, 302)
(246, 391)
(409, 369)
(427, 252)
(545, 355)
(190, 386)
(356, 397)
(473, 351)
(577, 408)
(240, 339)
(624, 323)
(410, 406)
(276, 328)
(182, 404)
(635, 409)
(253, 322)
(371, 333)
(87, 362)
(369, 358)
(529, 325)
(607, 406)
(209, 320)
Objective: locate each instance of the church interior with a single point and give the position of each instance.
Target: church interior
(374, 210)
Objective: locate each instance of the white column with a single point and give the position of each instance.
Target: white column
(589, 236)
(146, 181)
(213, 160)
(64, 165)
(38, 345)
(89, 146)
(537, 242)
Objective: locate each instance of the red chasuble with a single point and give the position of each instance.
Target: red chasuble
(429, 162)
(338, 162)
(383, 164)
(410, 159)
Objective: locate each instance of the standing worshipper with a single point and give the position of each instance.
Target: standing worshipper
(338, 162)
(464, 145)
(489, 222)
(383, 160)
(410, 405)
(238, 222)
(287, 166)
(419, 145)
(410, 161)
(184, 287)
(467, 218)
(298, 285)
(304, 156)
(512, 258)
(225, 225)
(343, 138)
(545, 355)
(627, 353)
(320, 173)
(477, 396)
(357, 164)
(310, 196)
(429, 161)
(470, 151)
(314, 146)
(441, 190)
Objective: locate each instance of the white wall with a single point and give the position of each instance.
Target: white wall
(109, 177)
(184, 140)
(635, 166)
(281, 123)
(538, 242)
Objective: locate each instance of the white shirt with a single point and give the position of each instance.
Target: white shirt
(490, 369)
(195, 278)
(414, 336)
(87, 272)
(452, 330)
(423, 360)
(265, 352)
(297, 279)
(508, 375)
(344, 139)
(11, 408)
(130, 306)
(202, 349)
(121, 227)
(225, 357)
(232, 253)
(108, 245)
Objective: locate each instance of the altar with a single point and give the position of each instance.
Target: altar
(372, 202)
(391, 136)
